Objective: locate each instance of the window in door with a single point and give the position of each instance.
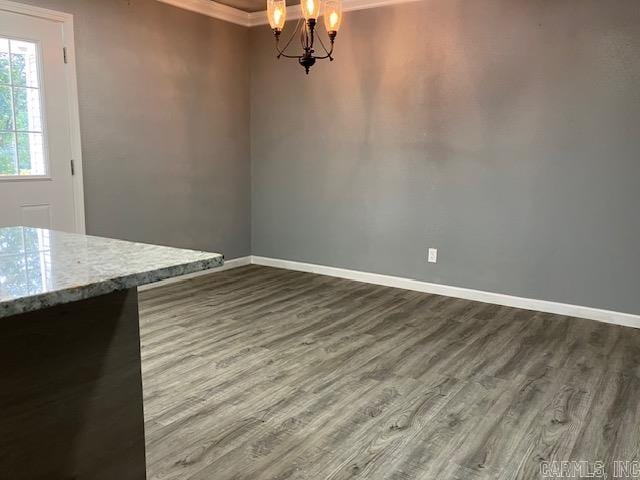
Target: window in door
(22, 152)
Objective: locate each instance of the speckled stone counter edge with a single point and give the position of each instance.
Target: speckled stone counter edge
(103, 287)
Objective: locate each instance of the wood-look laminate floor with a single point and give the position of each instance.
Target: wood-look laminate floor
(260, 373)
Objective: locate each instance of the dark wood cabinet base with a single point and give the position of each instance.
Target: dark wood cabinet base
(71, 392)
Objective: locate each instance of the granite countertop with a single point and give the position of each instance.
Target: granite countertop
(42, 268)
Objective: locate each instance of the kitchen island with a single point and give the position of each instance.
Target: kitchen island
(70, 383)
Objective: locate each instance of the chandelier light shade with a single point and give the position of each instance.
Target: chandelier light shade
(332, 15)
(310, 9)
(277, 13)
(306, 28)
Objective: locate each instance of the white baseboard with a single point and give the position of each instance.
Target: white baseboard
(607, 316)
(228, 265)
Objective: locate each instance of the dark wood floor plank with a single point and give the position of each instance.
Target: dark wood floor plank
(260, 373)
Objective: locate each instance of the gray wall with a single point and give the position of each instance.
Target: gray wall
(503, 132)
(164, 112)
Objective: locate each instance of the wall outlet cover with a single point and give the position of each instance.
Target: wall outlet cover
(433, 255)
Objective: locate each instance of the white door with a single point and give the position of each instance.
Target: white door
(36, 144)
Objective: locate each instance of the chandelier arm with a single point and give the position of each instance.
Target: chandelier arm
(306, 30)
(281, 52)
(323, 47)
(328, 52)
(290, 56)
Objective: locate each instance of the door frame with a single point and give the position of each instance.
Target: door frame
(66, 24)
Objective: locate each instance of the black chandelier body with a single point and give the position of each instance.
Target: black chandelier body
(307, 38)
(307, 29)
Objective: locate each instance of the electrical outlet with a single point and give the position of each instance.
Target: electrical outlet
(433, 255)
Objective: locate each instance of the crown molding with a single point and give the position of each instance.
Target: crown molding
(32, 11)
(213, 9)
(253, 19)
(293, 11)
(260, 18)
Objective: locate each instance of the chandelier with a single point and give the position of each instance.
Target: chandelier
(306, 28)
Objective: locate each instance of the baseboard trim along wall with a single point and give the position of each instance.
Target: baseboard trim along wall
(607, 316)
(228, 265)
(589, 313)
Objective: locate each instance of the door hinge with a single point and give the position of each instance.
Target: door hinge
(73, 168)
(64, 55)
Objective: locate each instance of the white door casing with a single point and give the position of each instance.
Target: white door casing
(43, 192)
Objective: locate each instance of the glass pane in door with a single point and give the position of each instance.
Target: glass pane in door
(22, 134)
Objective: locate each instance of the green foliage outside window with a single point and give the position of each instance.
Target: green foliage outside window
(14, 116)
